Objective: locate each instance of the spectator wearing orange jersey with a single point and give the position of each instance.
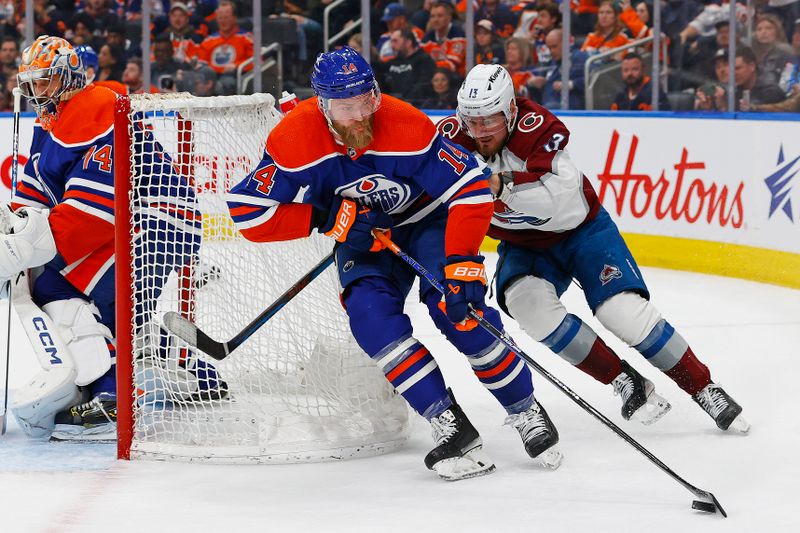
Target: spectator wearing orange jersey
(446, 41)
(184, 37)
(608, 33)
(132, 78)
(225, 50)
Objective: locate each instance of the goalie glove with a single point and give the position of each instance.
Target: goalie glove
(465, 284)
(352, 225)
(30, 245)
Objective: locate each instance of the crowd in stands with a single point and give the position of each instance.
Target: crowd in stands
(420, 46)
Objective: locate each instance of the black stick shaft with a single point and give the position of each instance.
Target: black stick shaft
(509, 342)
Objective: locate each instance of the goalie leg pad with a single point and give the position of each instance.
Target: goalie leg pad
(35, 405)
(31, 244)
(86, 338)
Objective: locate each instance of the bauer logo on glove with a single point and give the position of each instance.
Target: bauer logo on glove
(352, 225)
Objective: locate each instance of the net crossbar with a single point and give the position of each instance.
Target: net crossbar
(300, 389)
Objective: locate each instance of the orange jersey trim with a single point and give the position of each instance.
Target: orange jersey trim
(297, 143)
(88, 115)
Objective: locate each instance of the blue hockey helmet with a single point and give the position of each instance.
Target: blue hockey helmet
(344, 74)
(89, 59)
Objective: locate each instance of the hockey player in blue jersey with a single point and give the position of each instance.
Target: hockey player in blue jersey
(61, 223)
(370, 162)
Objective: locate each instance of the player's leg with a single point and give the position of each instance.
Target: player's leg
(529, 286)
(500, 370)
(374, 297)
(87, 334)
(617, 294)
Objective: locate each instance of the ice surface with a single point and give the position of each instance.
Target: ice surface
(747, 333)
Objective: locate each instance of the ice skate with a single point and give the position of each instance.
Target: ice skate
(639, 399)
(722, 408)
(538, 434)
(458, 453)
(92, 421)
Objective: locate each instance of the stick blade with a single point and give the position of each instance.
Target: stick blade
(194, 336)
(708, 503)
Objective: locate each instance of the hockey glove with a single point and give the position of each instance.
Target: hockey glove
(352, 225)
(465, 284)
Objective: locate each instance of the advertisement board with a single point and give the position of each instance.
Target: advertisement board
(704, 194)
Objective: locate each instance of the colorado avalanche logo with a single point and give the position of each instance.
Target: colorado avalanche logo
(511, 217)
(609, 273)
(377, 192)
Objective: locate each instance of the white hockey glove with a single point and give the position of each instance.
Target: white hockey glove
(10, 222)
(30, 245)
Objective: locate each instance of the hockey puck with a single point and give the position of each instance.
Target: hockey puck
(706, 507)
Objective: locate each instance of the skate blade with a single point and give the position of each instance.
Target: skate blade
(739, 425)
(551, 458)
(652, 411)
(97, 434)
(473, 463)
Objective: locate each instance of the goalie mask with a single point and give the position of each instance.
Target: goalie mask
(49, 74)
(345, 86)
(486, 101)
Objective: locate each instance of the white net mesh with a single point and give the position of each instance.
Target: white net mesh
(300, 389)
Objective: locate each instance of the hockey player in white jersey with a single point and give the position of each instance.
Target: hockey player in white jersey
(552, 229)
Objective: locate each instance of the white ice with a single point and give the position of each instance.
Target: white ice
(748, 334)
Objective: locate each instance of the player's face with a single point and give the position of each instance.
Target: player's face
(490, 132)
(39, 89)
(352, 118)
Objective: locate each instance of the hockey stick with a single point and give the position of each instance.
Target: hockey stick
(706, 501)
(193, 335)
(14, 163)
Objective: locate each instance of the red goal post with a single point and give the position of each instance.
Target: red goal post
(300, 389)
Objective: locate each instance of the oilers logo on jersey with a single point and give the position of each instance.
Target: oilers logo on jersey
(377, 192)
(223, 55)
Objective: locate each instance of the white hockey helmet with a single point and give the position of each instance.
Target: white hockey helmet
(486, 92)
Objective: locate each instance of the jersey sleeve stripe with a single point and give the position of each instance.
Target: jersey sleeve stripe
(479, 186)
(243, 210)
(468, 177)
(91, 210)
(232, 198)
(262, 218)
(89, 184)
(91, 198)
(25, 191)
(482, 199)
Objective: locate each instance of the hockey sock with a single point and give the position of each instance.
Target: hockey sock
(578, 344)
(499, 369)
(505, 375)
(375, 309)
(106, 383)
(690, 373)
(668, 351)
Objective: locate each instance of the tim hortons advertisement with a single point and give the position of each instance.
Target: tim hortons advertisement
(733, 181)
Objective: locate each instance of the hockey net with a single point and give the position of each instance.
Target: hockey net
(300, 389)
